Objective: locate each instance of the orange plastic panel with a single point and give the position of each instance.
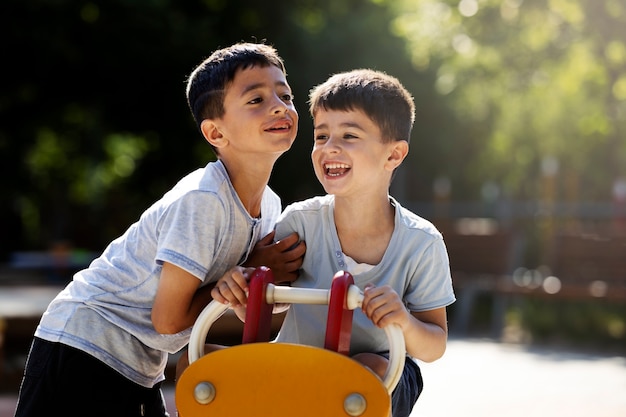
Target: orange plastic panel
(279, 380)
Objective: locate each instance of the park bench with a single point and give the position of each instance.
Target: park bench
(592, 266)
(577, 267)
(580, 267)
(579, 271)
(478, 265)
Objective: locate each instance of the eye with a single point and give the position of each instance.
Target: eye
(288, 97)
(321, 137)
(349, 136)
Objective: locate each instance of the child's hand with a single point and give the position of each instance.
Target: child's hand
(232, 288)
(384, 306)
(284, 257)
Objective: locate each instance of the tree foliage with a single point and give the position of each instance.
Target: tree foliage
(95, 126)
(539, 85)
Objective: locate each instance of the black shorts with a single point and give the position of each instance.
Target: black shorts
(64, 381)
(408, 390)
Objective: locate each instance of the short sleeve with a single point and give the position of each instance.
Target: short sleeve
(431, 285)
(190, 230)
(287, 223)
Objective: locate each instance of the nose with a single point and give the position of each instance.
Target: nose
(332, 145)
(279, 106)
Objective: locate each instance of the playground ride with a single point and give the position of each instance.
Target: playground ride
(259, 378)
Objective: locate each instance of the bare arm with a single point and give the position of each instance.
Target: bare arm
(179, 300)
(426, 339)
(425, 333)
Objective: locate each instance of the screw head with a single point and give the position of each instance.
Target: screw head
(204, 392)
(355, 404)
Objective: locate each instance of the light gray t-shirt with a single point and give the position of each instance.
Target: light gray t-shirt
(201, 226)
(415, 265)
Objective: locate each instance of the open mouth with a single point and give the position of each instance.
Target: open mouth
(336, 169)
(280, 127)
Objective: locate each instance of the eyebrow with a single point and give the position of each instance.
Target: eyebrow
(344, 125)
(256, 86)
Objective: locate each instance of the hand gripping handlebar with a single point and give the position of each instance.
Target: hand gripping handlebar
(283, 294)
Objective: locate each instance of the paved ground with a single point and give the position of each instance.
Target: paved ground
(479, 378)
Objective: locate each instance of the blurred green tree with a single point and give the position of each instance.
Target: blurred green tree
(538, 86)
(95, 125)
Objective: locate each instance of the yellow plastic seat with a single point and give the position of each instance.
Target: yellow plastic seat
(261, 379)
(280, 380)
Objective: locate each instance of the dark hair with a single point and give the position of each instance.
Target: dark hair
(380, 96)
(206, 85)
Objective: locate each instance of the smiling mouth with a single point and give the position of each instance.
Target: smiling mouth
(280, 127)
(335, 169)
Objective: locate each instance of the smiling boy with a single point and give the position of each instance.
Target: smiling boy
(102, 346)
(362, 125)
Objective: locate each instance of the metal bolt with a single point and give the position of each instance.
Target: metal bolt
(354, 404)
(204, 392)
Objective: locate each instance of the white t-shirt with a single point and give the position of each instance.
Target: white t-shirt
(415, 264)
(201, 226)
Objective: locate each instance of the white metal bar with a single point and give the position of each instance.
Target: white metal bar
(282, 294)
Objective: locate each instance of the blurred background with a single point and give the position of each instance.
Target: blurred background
(518, 153)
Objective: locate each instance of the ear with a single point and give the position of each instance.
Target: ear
(212, 133)
(398, 151)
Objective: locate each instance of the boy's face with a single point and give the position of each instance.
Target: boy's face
(259, 116)
(349, 156)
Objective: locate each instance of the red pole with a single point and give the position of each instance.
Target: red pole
(258, 323)
(339, 323)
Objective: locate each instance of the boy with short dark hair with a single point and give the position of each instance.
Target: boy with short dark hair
(102, 346)
(362, 126)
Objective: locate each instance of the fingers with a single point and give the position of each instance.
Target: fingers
(284, 255)
(291, 244)
(287, 269)
(232, 288)
(267, 239)
(382, 305)
(295, 252)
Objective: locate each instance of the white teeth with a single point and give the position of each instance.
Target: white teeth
(281, 126)
(335, 169)
(336, 166)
